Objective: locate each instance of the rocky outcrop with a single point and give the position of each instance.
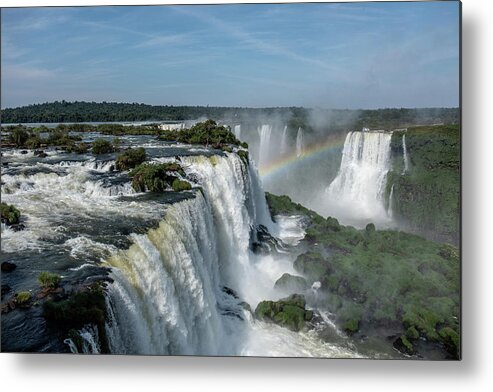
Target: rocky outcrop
(289, 312)
(291, 283)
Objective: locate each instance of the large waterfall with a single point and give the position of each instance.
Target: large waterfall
(264, 145)
(173, 290)
(356, 195)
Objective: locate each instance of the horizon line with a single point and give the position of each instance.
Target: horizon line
(231, 107)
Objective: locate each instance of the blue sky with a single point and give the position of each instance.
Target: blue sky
(352, 55)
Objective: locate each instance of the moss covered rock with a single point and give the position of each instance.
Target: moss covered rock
(289, 312)
(9, 214)
(180, 185)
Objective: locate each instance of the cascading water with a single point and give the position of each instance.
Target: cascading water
(168, 296)
(356, 195)
(264, 146)
(299, 142)
(405, 156)
(390, 210)
(237, 131)
(284, 142)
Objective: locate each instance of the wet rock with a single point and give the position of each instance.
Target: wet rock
(54, 294)
(5, 290)
(403, 345)
(287, 282)
(24, 152)
(8, 306)
(231, 292)
(8, 267)
(17, 227)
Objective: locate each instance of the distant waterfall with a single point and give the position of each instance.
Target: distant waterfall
(237, 131)
(359, 187)
(390, 210)
(284, 142)
(264, 147)
(405, 156)
(299, 142)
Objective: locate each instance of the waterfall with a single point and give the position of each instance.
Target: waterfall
(358, 190)
(299, 142)
(89, 338)
(237, 131)
(390, 210)
(264, 147)
(167, 296)
(284, 142)
(405, 156)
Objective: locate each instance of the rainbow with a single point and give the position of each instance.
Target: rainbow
(285, 162)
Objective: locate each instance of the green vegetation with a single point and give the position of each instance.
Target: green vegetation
(130, 158)
(243, 155)
(156, 177)
(207, 133)
(180, 185)
(9, 214)
(48, 280)
(288, 312)
(382, 279)
(23, 298)
(102, 146)
(20, 136)
(87, 306)
(62, 111)
(427, 197)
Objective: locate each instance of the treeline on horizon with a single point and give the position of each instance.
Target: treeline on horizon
(80, 111)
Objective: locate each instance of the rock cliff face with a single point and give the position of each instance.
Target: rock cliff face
(423, 186)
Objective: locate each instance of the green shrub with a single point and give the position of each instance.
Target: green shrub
(130, 158)
(179, 185)
(49, 280)
(23, 297)
(33, 142)
(78, 148)
(102, 146)
(154, 177)
(243, 155)
(9, 214)
(19, 136)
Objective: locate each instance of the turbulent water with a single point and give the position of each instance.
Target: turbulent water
(182, 264)
(357, 195)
